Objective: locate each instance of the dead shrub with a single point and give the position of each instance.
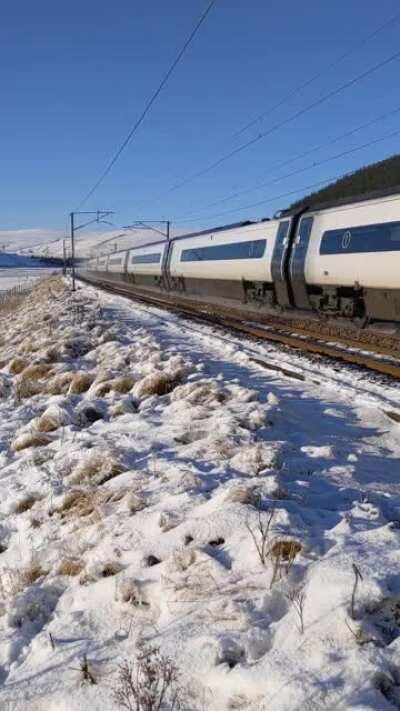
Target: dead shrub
(70, 567)
(30, 439)
(149, 683)
(286, 550)
(17, 365)
(283, 554)
(80, 383)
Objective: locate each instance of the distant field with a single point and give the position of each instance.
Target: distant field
(13, 277)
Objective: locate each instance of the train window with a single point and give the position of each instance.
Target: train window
(252, 249)
(153, 258)
(115, 260)
(384, 237)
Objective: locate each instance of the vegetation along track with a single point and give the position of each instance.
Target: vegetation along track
(340, 348)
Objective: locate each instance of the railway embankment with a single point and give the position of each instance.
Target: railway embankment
(170, 507)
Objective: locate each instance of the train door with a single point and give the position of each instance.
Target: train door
(297, 264)
(279, 264)
(165, 265)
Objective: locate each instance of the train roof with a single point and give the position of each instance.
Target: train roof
(221, 228)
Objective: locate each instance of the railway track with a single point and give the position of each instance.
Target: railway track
(349, 350)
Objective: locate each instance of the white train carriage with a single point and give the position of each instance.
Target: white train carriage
(116, 262)
(346, 260)
(144, 265)
(232, 262)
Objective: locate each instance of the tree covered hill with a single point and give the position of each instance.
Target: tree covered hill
(378, 176)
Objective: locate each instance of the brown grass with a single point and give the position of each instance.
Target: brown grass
(155, 384)
(30, 439)
(48, 423)
(25, 504)
(77, 502)
(59, 384)
(286, 550)
(111, 568)
(17, 365)
(32, 573)
(80, 383)
(36, 371)
(70, 567)
(123, 384)
(98, 468)
(27, 388)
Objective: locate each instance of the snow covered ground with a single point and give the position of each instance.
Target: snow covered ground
(162, 488)
(11, 277)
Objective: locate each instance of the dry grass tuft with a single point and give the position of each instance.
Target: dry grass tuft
(17, 365)
(80, 383)
(25, 504)
(48, 423)
(78, 502)
(110, 568)
(155, 384)
(70, 567)
(286, 550)
(30, 439)
(243, 495)
(97, 468)
(122, 384)
(27, 388)
(32, 573)
(59, 384)
(36, 371)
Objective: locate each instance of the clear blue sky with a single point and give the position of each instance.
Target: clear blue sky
(75, 75)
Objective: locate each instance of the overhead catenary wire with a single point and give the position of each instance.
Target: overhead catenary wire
(297, 90)
(275, 127)
(301, 170)
(296, 157)
(149, 104)
(316, 164)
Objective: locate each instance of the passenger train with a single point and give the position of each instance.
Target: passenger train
(337, 260)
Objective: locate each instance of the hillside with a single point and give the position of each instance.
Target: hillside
(378, 176)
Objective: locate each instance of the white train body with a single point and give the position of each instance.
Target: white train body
(357, 225)
(147, 260)
(341, 260)
(233, 254)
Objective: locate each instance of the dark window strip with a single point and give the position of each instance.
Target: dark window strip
(383, 237)
(153, 258)
(253, 249)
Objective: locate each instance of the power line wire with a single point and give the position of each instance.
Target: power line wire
(149, 104)
(315, 77)
(301, 170)
(285, 122)
(287, 161)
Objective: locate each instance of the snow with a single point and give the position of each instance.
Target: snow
(20, 272)
(155, 491)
